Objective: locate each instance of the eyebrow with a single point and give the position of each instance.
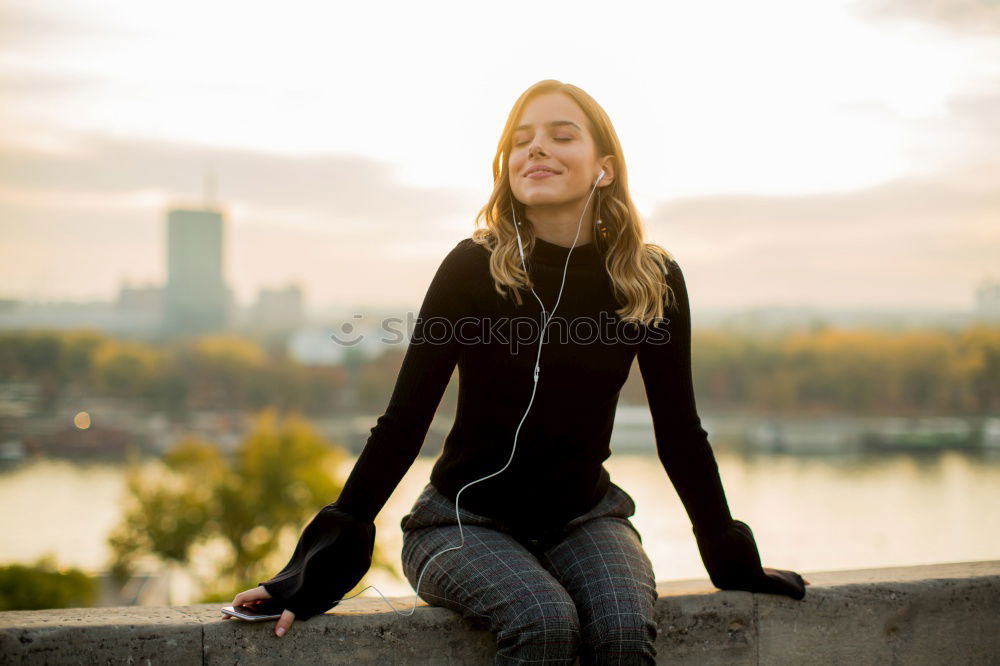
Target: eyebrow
(554, 123)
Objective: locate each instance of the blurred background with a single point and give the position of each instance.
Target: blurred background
(195, 197)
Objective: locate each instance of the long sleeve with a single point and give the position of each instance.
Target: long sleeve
(427, 367)
(333, 553)
(335, 549)
(681, 442)
(727, 546)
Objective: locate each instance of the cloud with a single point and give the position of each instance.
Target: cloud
(30, 84)
(975, 17)
(906, 243)
(334, 191)
(23, 26)
(976, 116)
(26, 33)
(925, 239)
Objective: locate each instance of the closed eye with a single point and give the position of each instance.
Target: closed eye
(557, 138)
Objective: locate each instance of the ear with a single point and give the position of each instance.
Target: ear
(608, 164)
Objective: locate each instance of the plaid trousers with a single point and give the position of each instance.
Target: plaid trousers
(586, 591)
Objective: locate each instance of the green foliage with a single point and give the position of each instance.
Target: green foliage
(281, 474)
(847, 371)
(220, 372)
(821, 370)
(31, 587)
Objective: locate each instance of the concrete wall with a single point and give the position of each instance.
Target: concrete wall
(936, 614)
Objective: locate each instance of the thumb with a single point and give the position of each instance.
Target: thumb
(284, 623)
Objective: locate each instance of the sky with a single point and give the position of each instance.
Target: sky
(838, 154)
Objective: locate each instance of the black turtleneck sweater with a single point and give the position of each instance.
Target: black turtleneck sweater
(557, 471)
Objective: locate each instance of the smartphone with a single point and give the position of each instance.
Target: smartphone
(265, 610)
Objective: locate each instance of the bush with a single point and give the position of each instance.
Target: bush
(31, 587)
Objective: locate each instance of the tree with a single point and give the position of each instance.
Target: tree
(253, 502)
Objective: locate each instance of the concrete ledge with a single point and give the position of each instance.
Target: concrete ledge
(914, 615)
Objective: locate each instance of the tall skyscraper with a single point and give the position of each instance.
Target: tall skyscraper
(196, 299)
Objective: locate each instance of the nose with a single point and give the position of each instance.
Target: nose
(535, 148)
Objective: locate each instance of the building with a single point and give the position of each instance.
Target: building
(196, 298)
(279, 309)
(988, 301)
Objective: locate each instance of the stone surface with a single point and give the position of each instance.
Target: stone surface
(908, 615)
(136, 635)
(699, 624)
(346, 636)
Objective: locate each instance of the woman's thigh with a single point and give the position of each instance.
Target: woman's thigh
(602, 565)
(495, 582)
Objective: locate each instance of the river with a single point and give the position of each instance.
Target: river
(808, 513)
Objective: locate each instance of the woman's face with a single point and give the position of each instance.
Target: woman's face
(553, 158)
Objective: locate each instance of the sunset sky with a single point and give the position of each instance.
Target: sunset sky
(830, 153)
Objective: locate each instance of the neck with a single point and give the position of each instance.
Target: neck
(558, 224)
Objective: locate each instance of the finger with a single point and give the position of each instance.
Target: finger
(252, 596)
(244, 597)
(284, 623)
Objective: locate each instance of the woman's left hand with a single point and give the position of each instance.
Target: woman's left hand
(733, 563)
(255, 596)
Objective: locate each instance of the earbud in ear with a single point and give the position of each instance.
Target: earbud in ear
(600, 227)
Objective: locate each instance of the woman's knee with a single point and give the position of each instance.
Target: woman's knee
(541, 625)
(619, 638)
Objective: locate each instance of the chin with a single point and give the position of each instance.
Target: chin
(543, 199)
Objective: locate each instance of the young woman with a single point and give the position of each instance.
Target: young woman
(543, 309)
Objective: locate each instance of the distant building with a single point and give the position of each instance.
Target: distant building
(107, 316)
(988, 301)
(196, 299)
(148, 298)
(279, 309)
(139, 309)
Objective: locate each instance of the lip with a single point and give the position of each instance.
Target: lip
(540, 171)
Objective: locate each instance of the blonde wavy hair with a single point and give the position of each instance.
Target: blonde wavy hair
(637, 269)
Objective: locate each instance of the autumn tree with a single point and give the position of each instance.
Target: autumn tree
(253, 502)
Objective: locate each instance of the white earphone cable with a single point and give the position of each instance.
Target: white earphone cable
(537, 372)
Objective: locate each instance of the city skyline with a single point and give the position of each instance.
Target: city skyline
(851, 163)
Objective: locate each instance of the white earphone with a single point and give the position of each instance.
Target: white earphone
(535, 375)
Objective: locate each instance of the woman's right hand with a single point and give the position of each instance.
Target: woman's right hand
(257, 595)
